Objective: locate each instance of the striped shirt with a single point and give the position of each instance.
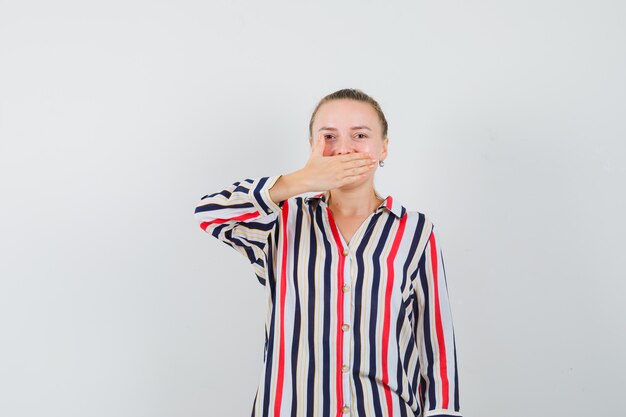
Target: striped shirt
(351, 329)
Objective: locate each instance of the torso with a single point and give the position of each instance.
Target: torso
(348, 225)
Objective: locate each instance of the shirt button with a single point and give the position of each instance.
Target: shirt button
(345, 252)
(346, 288)
(345, 368)
(345, 409)
(345, 327)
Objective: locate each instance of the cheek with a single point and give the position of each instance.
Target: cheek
(366, 148)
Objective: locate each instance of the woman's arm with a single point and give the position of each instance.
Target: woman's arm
(290, 185)
(243, 216)
(435, 334)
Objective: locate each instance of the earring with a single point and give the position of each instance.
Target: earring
(381, 164)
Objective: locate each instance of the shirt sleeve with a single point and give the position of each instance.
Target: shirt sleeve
(242, 216)
(439, 386)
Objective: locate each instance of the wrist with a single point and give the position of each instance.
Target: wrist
(297, 182)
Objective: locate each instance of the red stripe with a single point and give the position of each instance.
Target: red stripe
(389, 202)
(241, 217)
(283, 292)
(340, 280)
(419, 393)
(390, 276)
(442, 346)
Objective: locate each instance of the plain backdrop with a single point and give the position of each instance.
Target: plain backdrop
(506, 127)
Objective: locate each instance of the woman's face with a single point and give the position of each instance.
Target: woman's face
(350, 126)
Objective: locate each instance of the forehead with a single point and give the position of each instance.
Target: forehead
(346, 112)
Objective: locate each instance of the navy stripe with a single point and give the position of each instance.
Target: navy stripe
(427, 331)
(267, 390)
(311, 310)
(358, 295)
(257, 194)
(328, 307)
(375, 347)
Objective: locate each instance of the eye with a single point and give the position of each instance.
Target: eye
(361, 135)
(328, 136)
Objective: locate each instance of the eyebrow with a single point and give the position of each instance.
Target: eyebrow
(352, 128)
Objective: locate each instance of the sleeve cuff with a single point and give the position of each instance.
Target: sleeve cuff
(260, 196)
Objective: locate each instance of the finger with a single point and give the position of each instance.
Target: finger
(358, 171)
(358, 156)
(362, 169)
(353, 178)
(314, 143)
(362, 162)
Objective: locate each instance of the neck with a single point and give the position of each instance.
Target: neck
(360, 200)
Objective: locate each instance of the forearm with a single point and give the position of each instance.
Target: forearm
(289, 185)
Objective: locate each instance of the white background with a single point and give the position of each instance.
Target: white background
(506, 127)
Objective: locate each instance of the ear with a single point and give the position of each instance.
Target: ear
(383, 154)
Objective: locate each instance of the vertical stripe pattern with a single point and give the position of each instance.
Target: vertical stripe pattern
(352, 328)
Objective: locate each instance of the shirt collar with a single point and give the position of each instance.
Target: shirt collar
(389, 203)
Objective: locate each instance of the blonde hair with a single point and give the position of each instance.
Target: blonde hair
(351, 94)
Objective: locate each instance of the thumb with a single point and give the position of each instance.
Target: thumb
(318, 145)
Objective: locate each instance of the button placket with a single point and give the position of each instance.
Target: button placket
(346, 327)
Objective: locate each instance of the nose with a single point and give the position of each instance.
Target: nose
(343, 146)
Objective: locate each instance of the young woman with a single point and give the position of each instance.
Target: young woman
(358, 320)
